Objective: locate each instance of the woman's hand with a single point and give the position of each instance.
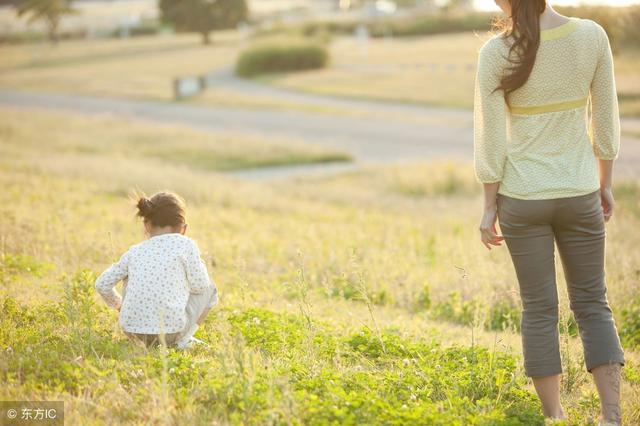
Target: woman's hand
(488, 233)
(607, 201)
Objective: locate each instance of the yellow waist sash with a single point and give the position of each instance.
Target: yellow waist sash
(559, 106)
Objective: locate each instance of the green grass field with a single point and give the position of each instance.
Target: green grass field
(359, 298)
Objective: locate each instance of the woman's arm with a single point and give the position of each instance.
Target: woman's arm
(488, 233)
(606, 173)
(491, 195)
(605, 122)
(606, 193)
(490, 138)
(489, 118)
(605, 117)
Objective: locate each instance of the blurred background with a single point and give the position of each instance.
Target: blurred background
(411, 62)
(289, 106)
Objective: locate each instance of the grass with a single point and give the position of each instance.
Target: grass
(87, 138)
(398, 66)
(143, 67)
(441, 66)
(633, 134)
(360, 297)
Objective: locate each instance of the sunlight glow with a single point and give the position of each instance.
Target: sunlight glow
(490, 4)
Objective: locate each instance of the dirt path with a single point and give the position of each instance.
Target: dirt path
(444, 133)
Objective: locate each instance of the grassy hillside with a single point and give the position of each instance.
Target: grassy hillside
(364, 297)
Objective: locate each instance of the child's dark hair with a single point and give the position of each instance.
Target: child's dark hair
(162, 209)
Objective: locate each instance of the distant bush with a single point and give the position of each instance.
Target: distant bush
(146, 28)
(38, 37)
(280, 56)
(332, 27)
(630, 34)
(431, 24)
(391, 26)
(620, 23)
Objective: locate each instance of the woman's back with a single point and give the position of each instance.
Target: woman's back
(539, 146)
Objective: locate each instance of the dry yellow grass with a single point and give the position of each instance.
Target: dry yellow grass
(413, 70)
(139, 68)
(86, 138)
(437, 70)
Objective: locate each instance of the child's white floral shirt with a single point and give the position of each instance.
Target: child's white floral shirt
(159, 274)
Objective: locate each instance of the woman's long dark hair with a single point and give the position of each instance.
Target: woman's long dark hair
(523, 28)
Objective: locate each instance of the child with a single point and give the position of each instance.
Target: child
(167, 292)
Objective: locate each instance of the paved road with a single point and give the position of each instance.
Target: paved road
(444, 133)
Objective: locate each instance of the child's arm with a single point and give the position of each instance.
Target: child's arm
(197, 274)
(108, 279)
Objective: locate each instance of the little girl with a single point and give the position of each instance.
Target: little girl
(167, 292)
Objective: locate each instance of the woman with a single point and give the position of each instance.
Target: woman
(546, 166)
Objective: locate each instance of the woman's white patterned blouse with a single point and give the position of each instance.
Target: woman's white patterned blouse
(546, 142)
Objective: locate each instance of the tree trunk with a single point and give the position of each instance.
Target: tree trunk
(206, 37)
(53, 24)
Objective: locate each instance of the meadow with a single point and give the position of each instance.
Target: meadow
(361, 298)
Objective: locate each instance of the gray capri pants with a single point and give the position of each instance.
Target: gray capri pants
(576, 224)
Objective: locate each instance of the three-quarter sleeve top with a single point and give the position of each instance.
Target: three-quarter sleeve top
(160, 274)
(544, 143)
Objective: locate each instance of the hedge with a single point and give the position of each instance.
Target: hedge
(281, 56)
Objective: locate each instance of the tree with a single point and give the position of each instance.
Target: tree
(49, 11)
(203, 16)
(460, 4)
